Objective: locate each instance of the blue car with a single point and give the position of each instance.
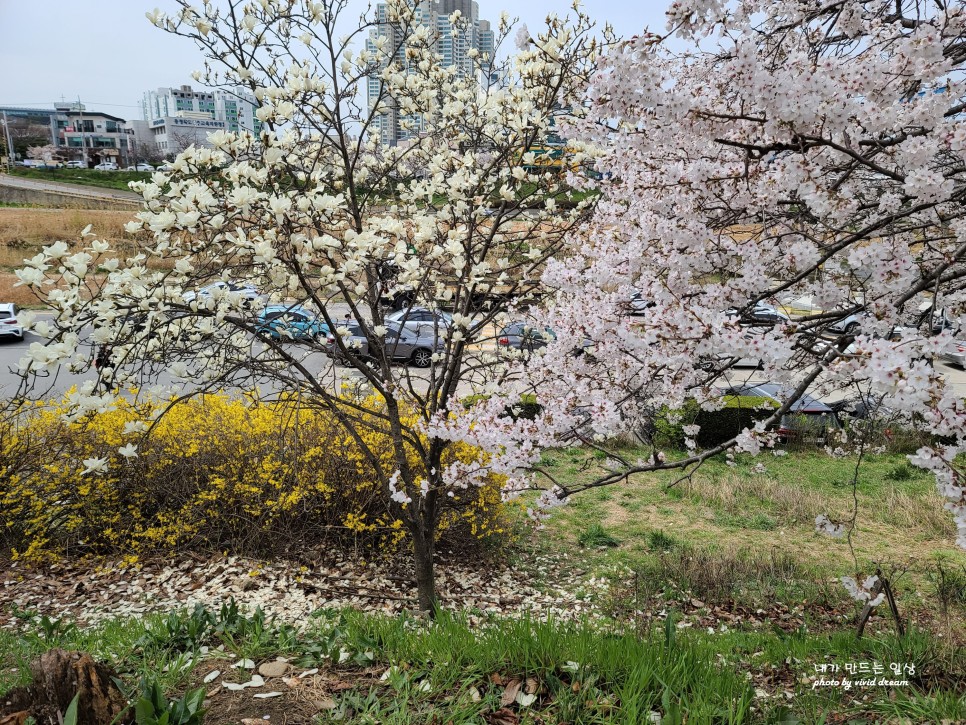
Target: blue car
(291, 322)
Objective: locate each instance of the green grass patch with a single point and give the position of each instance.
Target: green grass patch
(86, 177)
(596, 535)
(531, 671)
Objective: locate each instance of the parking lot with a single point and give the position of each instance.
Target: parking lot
(334, 377)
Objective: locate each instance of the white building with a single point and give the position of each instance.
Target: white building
(454, 50)
(179, 117)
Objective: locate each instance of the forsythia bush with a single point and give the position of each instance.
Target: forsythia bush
(215, 473)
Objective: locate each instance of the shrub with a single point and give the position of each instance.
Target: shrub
(717, 426)
(216, 473)
(527, 409)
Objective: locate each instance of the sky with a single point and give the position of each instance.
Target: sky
(106, 53)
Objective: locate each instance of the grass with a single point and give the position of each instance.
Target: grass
(24, 230)
(404, 670)
(86, 177)
(22, 227)
(901, 517)
(721, 605)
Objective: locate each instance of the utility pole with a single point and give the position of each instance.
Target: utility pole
(80, 114)
(10, 153)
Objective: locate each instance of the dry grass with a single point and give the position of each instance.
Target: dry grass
(20, 296)
(24, 231)
(29, 227)
(794, 504)
(738, 494)
(923, 513)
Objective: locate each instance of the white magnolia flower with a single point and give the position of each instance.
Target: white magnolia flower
(94, 465)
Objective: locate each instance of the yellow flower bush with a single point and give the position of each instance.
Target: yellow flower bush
(215, 473)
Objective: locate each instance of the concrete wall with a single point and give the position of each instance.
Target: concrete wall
(59, 200)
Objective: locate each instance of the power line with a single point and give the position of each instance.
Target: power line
(93, 103)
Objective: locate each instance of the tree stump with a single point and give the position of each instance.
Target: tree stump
(59, 676)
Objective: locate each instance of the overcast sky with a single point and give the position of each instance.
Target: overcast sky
(107, 53)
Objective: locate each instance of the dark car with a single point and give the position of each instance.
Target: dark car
(761, 314)
(524, 337)
(809, 419)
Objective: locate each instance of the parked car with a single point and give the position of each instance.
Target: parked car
(862, 407)
(247, 292)
(140, 167)
(851, 324)
(106, 166)
(165, 167)
(291, 322)
(761, 314)
(10, 326)
(955, 353)
(524, 337)
(637, 306)
(420, 316)
(76, 165)
(413, 345)
(809, 419)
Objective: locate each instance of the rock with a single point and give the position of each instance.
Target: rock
(245, 583)
(273, 669)
(324, 704)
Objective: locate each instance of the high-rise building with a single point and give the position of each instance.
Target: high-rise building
(177, 117)
(454, 49)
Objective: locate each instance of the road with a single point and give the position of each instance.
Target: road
(333, 377)
(320, 365)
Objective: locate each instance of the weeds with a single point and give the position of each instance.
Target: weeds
(659, 541)
(153, 708)
(596, 535)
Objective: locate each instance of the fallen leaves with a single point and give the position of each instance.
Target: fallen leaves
(503, 716)
(510, 693)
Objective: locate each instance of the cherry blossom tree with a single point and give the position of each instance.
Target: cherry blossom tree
(318, 211)
(805, 154)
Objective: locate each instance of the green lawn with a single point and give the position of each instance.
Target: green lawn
(353, 668)
(86, 177)
(719, 604)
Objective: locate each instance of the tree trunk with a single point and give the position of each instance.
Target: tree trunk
(58, 677)
(423, 549)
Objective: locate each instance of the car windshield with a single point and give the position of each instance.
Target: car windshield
(5, 314)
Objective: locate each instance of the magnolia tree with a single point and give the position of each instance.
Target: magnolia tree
(316, 211)
(809, 155)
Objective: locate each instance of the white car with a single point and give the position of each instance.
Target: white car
(955, 353)
(762, 314)
(10, 326)
(421, 316)
(246, 291)
(76, 165)
(106, 166)
(140, 167)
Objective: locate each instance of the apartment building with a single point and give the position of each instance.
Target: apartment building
(179, 117)
(394, 127)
